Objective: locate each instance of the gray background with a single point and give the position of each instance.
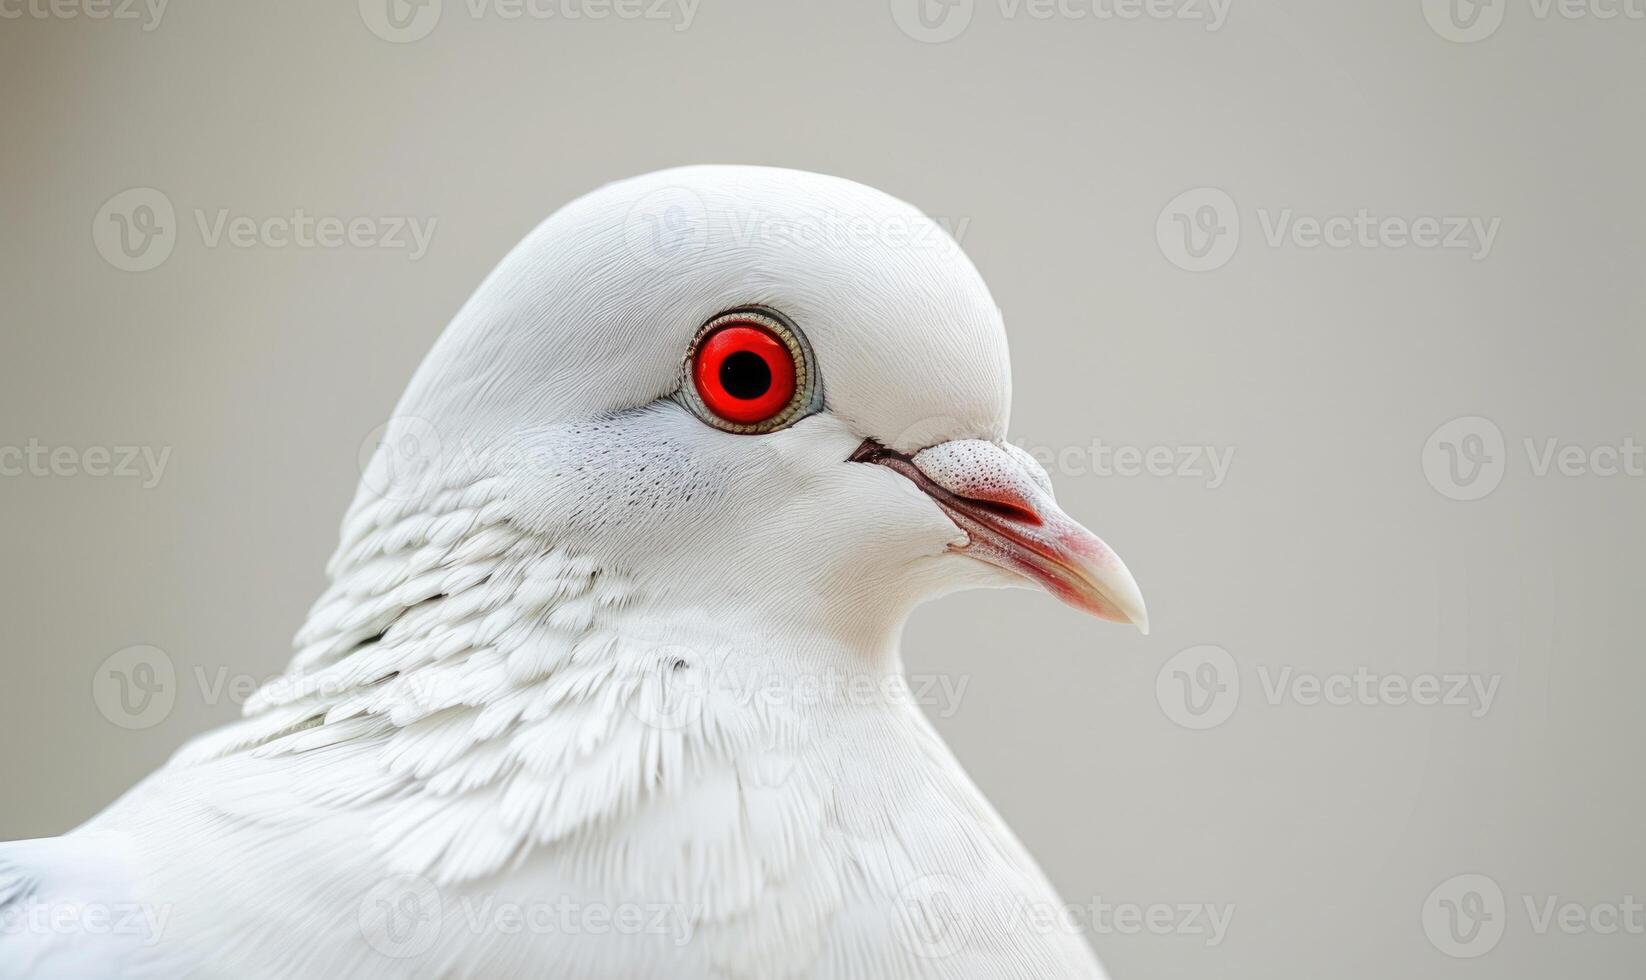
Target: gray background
(1057, 143)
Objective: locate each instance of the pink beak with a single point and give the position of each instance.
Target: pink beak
(1003, 504)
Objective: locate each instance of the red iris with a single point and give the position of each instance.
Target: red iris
(744, 373)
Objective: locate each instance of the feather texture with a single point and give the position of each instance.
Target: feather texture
(596, 690)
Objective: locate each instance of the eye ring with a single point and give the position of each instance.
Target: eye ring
(750, 371)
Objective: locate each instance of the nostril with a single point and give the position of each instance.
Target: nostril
(1008, 509)
(988, 477)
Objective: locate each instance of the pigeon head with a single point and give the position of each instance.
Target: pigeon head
(656, 502)
(764, 399)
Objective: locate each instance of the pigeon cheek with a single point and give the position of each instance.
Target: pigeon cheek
(1011, 522)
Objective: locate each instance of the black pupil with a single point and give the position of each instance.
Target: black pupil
(745, 375)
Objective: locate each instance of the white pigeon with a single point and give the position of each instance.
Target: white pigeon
(606, 682)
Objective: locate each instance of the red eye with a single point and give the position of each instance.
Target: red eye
(744, 372)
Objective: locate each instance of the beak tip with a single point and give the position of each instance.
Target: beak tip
(1137, 615)
(1121, 594)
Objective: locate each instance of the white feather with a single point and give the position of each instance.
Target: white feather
(566, 664)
